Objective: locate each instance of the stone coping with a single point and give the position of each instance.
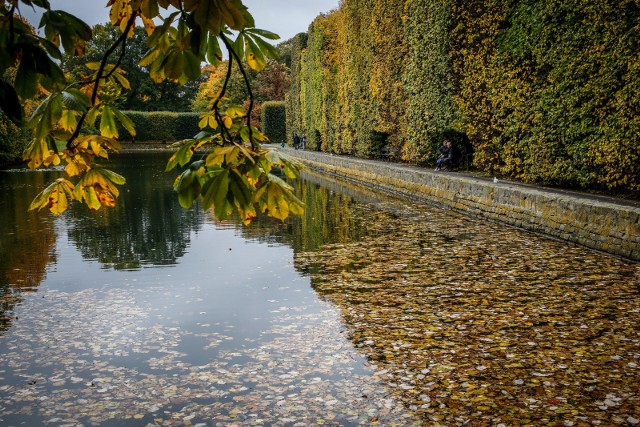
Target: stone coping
(598, 222)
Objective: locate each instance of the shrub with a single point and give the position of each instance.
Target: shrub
(161, 125)
(12, 140)
(274, 121)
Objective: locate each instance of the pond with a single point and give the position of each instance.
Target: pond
(365, 310)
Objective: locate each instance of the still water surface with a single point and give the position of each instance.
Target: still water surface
(366, 310)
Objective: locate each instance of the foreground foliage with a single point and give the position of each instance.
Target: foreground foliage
(235, 175)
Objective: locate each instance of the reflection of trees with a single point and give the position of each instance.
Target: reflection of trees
(147, 227)
(26, 240)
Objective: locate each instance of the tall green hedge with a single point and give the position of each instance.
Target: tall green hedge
(293, 98)
(12, 141)
(162, 125)
(428, 78)
(274, 121)
(388, 60)
(150, 126)
(543, 91)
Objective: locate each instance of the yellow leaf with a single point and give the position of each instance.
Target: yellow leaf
(58, 201)
(149, 25)
(228, 122)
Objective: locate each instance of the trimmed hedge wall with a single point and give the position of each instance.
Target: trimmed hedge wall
(12, 141)
(274, 121)
(162, 126)
(293, 98)
(150, 126)
(543, 91)
(428, 79)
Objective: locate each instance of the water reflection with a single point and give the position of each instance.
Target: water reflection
(330, 217)
(224, 330)
(466, 323)
(146, 228)
(27, 239)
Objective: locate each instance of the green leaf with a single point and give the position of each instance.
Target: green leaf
(26, 81)
(221, 205)
(108, 126)
(187, 196)
(126, 122)
(150, 8)
(208, 16)
(75, 99)
(184, 180)
(122, 80)
(238, 45)
(174, 65)
(267, 49)
(73, 32)
(191, 65)
(68, 120)
(263, 33)
(89, 196)
(241, 189)
(114, 177)
(214, 53)
(235, 14)
(161, 30)
(92, 115)
(183, 155)
(254, 56)
(51, 48)
(46, 116)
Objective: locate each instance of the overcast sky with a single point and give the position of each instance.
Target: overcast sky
(283, 17)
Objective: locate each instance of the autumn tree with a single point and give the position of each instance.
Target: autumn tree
(271, 84)
(214, 79)
(233, 175)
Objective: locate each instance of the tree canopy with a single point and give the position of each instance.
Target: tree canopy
(234, 172)
(143, 93)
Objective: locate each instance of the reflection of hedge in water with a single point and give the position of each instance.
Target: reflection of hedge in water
(330, 217)
(147, 226)
(27, 240)
(546, 91)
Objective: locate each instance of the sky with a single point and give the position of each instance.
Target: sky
(283, 17)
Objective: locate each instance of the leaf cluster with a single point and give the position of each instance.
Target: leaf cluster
(232, 177)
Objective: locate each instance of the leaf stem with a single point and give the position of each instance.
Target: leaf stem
(247, 84)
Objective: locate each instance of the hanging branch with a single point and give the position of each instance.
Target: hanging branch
(247, 84)
(96, 82)
(214, 107)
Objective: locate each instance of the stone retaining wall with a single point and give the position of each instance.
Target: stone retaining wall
(596, 222)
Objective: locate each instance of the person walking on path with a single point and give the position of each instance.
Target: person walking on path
(296, 141)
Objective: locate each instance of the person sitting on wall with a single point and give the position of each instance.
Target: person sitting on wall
(446, 155)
